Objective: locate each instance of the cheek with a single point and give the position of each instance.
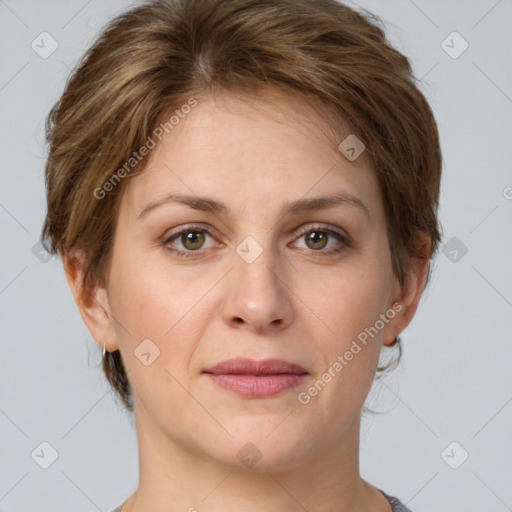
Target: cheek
(350, 304)
(151, 303)
(152, 297)
(349, 355)
(352, 300)
(166, 305)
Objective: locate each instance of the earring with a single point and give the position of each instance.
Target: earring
(104, 350)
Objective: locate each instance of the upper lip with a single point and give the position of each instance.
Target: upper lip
(242, 365)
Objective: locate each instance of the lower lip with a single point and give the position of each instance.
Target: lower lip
(257, 386)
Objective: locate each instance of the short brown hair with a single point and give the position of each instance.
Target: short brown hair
(160, 54)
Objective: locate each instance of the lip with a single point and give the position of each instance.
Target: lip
(256, 379)
(244, 366)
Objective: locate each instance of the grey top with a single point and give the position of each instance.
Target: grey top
(396, 504)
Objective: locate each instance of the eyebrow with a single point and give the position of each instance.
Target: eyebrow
(297, 207)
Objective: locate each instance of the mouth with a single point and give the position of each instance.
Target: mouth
(256, 379)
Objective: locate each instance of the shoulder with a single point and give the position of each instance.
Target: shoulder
(396, 504)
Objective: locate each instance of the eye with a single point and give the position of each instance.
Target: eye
(317, 238)
(188, 240)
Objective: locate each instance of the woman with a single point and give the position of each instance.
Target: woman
(244, 195)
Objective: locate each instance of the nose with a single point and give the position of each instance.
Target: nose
(257, 297)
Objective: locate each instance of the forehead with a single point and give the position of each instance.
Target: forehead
(249, 151)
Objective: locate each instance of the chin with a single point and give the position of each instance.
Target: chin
(257, 444)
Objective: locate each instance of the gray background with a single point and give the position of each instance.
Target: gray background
(454, 383)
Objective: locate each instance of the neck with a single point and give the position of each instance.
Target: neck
(173, 477)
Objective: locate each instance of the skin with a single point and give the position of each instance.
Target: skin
(293, 302)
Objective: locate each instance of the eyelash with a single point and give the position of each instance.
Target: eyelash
(201, 229)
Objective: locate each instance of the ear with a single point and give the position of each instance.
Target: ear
(406, 297)
(92, 303)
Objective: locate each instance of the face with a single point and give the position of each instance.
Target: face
(253, 269)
